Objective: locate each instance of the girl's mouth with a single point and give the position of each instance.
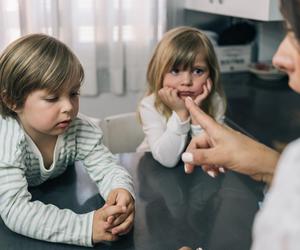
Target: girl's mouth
(185, 93)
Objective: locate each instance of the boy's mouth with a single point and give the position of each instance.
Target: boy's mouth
(64, 124)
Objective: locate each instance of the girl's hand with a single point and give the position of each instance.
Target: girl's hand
(169, 97)
(206, 90)
(200, 98)
(121, 223)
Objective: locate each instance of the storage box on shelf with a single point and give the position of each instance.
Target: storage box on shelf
(263, 10)
(235, 58)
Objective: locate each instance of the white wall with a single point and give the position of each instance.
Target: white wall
(109, 104)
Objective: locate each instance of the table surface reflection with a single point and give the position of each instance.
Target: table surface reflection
(172, 209)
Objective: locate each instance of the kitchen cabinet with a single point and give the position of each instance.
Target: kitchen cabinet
(263, 10)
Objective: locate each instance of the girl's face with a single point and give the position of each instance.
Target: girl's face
(44, 114)
(188, 82)
(287, 59)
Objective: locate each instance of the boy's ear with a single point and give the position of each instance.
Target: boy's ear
(8, 102)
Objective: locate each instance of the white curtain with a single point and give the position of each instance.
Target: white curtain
(112, 38)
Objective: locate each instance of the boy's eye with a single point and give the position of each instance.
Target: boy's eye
(75, 93)
(198, 71)
(51, 98)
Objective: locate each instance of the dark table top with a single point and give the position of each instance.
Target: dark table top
(172, 209)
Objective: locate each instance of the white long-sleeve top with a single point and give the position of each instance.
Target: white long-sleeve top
(21, 165)
(277, 224)
(167, 139)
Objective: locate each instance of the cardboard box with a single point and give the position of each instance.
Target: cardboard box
(235, 58)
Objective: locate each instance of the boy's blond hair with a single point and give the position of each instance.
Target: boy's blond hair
(32, 62)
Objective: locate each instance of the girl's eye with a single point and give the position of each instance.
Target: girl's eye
(175, 71)
(198, 71)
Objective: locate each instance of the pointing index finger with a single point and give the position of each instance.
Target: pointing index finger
(204, 120)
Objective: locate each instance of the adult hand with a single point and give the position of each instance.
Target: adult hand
(121, 223)
(169, 97)
(219, 145)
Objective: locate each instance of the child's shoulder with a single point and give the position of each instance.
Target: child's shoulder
(11, 136)
(85, 123)
(148, 100)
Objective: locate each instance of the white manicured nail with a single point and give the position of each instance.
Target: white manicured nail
(187, 157)
(222, 170)
(211, 173)
(185, 168)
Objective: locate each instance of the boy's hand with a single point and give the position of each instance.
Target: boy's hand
(123, 222)
(169, 97)
(101, 227)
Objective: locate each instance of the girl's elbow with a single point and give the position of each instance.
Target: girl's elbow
(169, 163)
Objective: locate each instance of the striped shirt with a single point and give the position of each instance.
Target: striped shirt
(21, 165)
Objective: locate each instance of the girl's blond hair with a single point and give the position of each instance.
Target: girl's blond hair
(178, 48)
(32, 62)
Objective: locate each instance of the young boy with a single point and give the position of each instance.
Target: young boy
(41, 134)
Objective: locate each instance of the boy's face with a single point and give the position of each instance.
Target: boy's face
(188, 82)
(45, 114)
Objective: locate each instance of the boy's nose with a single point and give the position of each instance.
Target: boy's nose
(67, 105)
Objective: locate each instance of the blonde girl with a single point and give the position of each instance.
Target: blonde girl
(184, 64)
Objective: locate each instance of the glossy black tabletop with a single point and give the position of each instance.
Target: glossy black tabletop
(172, 209)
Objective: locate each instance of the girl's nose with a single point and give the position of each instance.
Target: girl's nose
(186, 78)
(282, 59)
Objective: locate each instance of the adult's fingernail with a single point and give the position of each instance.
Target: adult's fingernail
(185, 168)
(187, 157)
(222, 170)
(211, 173)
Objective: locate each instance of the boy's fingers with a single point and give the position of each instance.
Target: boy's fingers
(112, 210)
(109, 237)
(124, 227)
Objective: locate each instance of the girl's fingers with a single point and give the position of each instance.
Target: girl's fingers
(209, 84)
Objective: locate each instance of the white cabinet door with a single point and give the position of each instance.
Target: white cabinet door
(265, 10)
